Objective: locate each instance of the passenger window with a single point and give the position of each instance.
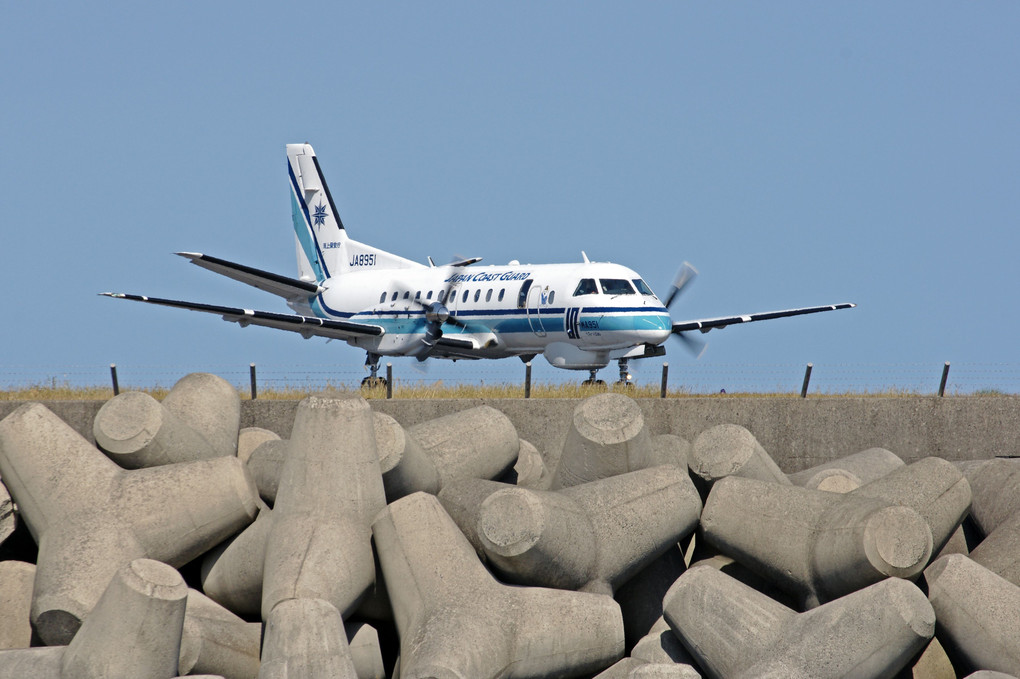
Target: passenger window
(501, 291)
(394, 298)
(642, 287)
(382, 298)
(407, 294)
(442, 296)
(464, 296)
(616, 286)
(478, 294)
(488, 295)
(417, 295)
(552, 296)
(429, 296)
(586, 286)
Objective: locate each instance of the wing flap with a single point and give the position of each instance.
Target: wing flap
(307, 326)
(706, 324)
(275, 284)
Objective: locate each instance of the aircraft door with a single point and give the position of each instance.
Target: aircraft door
(532, 297)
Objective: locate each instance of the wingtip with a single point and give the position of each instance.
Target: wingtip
(190, 255)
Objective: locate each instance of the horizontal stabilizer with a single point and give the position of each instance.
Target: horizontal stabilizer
(706, 324)
(307, 326)
(282, 286)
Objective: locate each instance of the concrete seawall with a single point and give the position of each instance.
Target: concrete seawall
(797, 433)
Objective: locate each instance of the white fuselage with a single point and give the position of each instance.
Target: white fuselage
(510, 310)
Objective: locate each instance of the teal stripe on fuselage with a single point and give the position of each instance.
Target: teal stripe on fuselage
(501, 324)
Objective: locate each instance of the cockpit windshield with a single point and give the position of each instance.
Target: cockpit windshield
(642, 287)
(616, 286)
(586, 286)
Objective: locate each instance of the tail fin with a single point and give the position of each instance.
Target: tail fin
(323, 247)
(317, 225)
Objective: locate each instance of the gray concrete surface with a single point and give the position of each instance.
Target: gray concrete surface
(305, 639)
(330, 490)
(15, 604)
(456, 620)
(731, 450)
(1000, 551)
(8, 515)
(90, 517)
(476, 443)
(734, 631)
(978, 614)
(138, 431)
(798, 433)
(850, 472)
(406, 468)
(607, 436)
(811, 543)
(215, 641)
(211, 406)
(250, 438)
(606, 530)
(135, 629)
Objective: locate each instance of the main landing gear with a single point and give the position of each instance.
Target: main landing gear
(625, 377)
(373, 380)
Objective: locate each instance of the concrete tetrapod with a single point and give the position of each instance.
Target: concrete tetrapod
(134, 631)
(8, 519)
(814, 544)
(734, 631)
(477, 443)
(593, 536)
(1000, 551)
(850, 472)
(932, 487)
(215, 641)
(406, 468)
(978, 614)
(211, 406)
(250, 438)
(607, 436)
(305, 639)
(730, 450)
(319, 544)
(89, 516)
(15, 604)
(458, 622)
(138, 431)
(995, 485)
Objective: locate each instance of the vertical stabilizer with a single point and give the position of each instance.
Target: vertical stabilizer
(323, 248)
(320, 233)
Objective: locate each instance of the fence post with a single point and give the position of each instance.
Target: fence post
(945, 377)
(807, 379)
(527, 379)
(389, 380)
(113, 376)
(254, 390)
(665, 373)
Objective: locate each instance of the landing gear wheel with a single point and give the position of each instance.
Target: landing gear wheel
(373, 382)
(594, 383)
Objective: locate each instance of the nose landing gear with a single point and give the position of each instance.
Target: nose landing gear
(373, 380)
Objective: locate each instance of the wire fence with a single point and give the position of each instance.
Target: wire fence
(691, 378)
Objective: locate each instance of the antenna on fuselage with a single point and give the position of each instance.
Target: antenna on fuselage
(585, 257)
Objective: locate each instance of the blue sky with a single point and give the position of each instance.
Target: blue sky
(795, 153)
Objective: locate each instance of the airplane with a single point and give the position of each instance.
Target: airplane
(578, 316)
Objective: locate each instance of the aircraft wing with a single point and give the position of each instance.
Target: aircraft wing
(706, 324)
(283, 286)
(307, 326)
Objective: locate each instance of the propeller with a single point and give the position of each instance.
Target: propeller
(436, 315)
(684, 277)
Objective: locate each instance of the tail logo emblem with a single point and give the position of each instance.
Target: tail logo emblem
(320, 214)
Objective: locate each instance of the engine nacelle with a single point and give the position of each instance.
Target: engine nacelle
(569, 357)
